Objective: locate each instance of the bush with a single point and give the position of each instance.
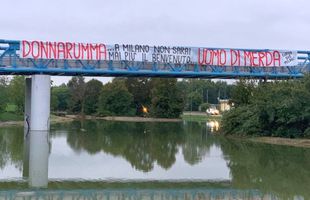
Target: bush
(279, 109)
(204, 107)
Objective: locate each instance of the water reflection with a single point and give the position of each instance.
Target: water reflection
(282, 170)
(155, 151)
(141, 144)
(26, 151)
(11, 150)
(214, 125)
(38, 158)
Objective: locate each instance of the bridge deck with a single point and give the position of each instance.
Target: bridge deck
(11, 63)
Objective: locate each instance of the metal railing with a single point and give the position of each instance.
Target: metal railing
(11, 63)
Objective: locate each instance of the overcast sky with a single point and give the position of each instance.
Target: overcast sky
(272, 24)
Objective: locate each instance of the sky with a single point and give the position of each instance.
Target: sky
(259, 24)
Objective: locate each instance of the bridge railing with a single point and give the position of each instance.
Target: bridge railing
(11, 63)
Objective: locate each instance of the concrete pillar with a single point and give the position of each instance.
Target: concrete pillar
(40, 102)
(38, 158)
(27, 113)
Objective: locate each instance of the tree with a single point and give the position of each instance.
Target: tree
(3, 92)
(192, 93)
(60, 98)
(195, 99)
(54, 100)
(198, 91)
(271, 109)
(77, 94)
(140, 88)
(17, 92)
(115, 99)
(204, 107)
(242, 92)
(92, 93)
(167, 101)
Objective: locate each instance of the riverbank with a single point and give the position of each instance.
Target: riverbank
(19, 121)
(187, 116)
(123, 118)
(8, 119)
(293, 142)
(69, 118)
(283, 141)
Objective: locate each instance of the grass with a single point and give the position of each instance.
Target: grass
(8, 116)
(201, 118)
(11, 108)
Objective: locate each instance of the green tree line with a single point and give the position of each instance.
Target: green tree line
(278, 108)
(161, 97)
(121, 97)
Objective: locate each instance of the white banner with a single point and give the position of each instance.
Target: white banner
(157, 54)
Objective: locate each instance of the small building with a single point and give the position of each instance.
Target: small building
(224, 105)
(213, 110)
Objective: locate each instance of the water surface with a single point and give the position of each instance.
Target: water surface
(182, 157)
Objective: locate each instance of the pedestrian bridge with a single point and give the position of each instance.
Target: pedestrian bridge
(73, 59)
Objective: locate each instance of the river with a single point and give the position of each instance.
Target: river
(146, 160)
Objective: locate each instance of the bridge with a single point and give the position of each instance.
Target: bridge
(40, 60)
(114, 64)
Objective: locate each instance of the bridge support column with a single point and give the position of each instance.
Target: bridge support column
(27, 113)
(40, 102)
